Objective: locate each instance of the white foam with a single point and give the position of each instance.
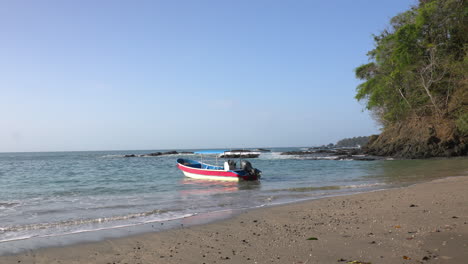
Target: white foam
(112, 156)
(275, 156)
(364, 185)
(83, 230)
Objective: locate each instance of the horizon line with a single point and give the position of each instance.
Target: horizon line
(45, 151)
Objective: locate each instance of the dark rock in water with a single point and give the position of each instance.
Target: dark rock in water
(323, 151)
(235, 156)
(365, 158)
(348, 157)
(297, 153)
(152, 154)
(173, 152)
(160, 153)
(350, 151)
(262, 150)
(334, 154)
(186, 152)
(339, 153)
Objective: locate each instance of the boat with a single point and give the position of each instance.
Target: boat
(228, 172)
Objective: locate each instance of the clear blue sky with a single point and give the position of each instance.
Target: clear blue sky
(104, 75)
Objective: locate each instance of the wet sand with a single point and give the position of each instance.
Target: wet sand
(423, 223)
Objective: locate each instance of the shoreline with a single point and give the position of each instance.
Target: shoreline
(28, 244)
(422, 223)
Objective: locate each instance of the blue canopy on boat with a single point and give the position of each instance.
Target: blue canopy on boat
(210, 152)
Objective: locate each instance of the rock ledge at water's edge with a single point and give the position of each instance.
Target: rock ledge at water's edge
(417, 139)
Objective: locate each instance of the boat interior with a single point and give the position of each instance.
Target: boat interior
(199, 165)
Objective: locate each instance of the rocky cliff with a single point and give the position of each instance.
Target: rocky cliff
(419, 138)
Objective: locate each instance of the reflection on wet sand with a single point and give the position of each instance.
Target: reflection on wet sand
(204, 187)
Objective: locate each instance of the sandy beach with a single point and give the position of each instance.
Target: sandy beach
(423, 223)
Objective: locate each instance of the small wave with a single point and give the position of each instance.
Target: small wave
(274, 156)
(309, 189)
(364, 185)
(112, 156)
(77, 222)
(327, 188)
(22, 237)
(8, 205)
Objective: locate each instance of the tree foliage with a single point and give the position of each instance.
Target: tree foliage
(419, 65)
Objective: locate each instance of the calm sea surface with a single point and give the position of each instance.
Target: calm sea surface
(57, 193)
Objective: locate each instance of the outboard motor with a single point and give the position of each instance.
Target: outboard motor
(247, 166)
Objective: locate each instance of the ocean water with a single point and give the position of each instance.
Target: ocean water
(53, 194)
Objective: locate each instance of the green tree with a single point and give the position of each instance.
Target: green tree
(419, 65)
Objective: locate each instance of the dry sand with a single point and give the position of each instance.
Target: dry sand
(423, 223)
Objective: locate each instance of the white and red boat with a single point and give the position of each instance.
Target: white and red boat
(228, 172)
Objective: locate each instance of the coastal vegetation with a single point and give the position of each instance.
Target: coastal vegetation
(352, 142)
(415, 83)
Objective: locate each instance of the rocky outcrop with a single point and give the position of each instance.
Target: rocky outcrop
(331, 152)
(262, 150)
(352, 157)
(419, 138)
(239, 153)
(334, 154)
(235, 156)
(155, 154)
(297, 153)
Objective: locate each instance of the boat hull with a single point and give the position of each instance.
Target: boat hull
(212, 174)
(209, 177)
